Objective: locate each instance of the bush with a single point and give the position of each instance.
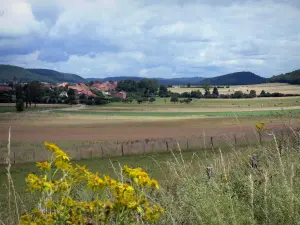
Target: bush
(174, 99)
(110, 201)
(20, 105)
(152, 99)
(116, 99)
(90, 102)
(101, 101)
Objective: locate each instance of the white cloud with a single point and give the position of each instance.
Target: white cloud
(170, 38)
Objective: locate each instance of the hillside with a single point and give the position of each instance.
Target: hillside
(161, 81)
(7, 72)
(290, 78)
(58, 76)
(238, 78)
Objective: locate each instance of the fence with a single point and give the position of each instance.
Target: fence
(104, 149)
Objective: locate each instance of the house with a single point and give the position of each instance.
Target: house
(64, 84)
(106, 86)
(63, 94)
(82, 89)
(121, 94)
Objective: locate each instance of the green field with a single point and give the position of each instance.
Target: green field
(185, 114)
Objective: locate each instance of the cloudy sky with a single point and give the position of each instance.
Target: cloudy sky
(153, 38)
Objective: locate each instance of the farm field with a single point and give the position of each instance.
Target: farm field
(119, 128)
(268, 87)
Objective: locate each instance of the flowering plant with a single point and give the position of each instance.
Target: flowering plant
(113, 201)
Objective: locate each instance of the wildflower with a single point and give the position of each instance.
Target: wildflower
(43, 165)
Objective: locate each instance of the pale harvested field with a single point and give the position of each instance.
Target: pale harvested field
(268, 87)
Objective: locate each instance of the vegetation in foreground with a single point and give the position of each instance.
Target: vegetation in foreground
(245, 186)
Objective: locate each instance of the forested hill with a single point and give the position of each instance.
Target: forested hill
(290, 78)
(8, 72)
(238, 78)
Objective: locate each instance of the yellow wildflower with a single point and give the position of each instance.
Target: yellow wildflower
(43, 165)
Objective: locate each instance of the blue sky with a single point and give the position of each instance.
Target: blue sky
(171, 38)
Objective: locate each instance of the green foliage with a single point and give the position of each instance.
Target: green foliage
(20, 105)
(100, 100)
(237, 94)
(152, 100)
(252, 93)
(290, 78)
(128, 86)
(215, 92)
(174, 99)
(116, 99)
(98, 93)
(163, 91)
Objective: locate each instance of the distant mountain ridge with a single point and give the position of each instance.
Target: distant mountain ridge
(238, 78)
(290, 78)
(7, 72)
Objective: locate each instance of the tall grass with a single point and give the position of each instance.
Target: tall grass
(235, 193)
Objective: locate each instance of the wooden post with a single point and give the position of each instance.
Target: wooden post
(235, 141)
(254, 162)
(122, 149)
(91, 153)
(167, 146)
(14, 158)
(144, 148)
(33, 156)
(209, 172)
(187, 144)
(102, 153)
(212, 141)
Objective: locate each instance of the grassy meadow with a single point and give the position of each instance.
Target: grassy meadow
(174, 143)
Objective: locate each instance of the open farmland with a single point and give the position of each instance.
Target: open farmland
(131, 128)
(268, 87)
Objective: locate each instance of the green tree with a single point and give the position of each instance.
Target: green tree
(36, 92)
(262, 93)
(238, 94)
(128, 85)
(207, 90)
(151, 100)
(215, 92)
(20, 105)
(188, 85)
(174, 99)
(163, 91)
(148, 87)
(252, 93)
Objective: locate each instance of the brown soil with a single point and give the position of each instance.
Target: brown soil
(130, 130)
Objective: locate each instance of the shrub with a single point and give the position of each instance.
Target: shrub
(112, 201)
(20, 105)
(174, 99)
(152, 99)
(116, 99)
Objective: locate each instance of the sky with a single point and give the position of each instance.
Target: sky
(151, 38)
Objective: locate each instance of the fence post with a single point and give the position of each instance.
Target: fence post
(144, 148)
(235, 141)
(91, 153)
(212, 141)
(209, 172)
(122, 148)
(167, 146)
(254, 163)
(102, 153)
(14, 158)
(187, 144)
(33, 156)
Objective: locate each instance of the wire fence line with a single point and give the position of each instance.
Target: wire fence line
(104, 149)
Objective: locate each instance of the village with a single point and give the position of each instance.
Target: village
(59, 93)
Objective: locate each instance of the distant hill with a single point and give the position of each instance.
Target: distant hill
(238, 78)
(161, 81)
(290, 78)
(7, 72)
(58, 76)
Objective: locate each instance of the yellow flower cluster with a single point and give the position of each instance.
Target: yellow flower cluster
(124, 203)
(260, 126)
(140, 177)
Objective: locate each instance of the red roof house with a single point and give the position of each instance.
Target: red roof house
(82, 89)
(121, 94)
